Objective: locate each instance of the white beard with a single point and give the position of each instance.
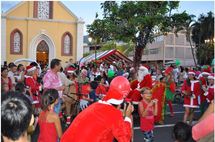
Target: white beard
(141, 74)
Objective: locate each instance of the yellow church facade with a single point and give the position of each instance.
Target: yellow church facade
(41, 31)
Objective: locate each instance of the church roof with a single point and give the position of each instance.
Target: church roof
(21, 3)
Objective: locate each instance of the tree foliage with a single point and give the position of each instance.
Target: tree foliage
(136, 21)
(203, 29)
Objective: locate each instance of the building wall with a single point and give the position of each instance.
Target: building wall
(171, 47)
(22, 19)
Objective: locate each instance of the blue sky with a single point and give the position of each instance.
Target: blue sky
(87, 9)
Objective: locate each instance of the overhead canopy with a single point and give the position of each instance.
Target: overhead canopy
(108, 56)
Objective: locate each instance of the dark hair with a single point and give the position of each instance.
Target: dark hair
(20, 87)
(61, 69)
(11, 64)
(182, 132)
(3, 69)
(48, 98)
(55, 62)
(16, 113)
(33, 64)
(20, 65)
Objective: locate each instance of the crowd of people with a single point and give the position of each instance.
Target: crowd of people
(103, 97)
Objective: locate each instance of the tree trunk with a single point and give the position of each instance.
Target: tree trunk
(194, 59)
(137, 56)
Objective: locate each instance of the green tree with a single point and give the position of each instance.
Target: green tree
(137, 22)
(203, 29)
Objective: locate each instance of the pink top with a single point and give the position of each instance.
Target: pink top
(147, 122)
(52, 80)
(203, 128)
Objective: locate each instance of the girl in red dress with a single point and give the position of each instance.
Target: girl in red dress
(49, 121)
(191, 90)
(147, 111)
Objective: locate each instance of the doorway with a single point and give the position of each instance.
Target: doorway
(42, 56)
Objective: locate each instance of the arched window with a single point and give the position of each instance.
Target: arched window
(66, 44)
(43, 9)
(16, 42)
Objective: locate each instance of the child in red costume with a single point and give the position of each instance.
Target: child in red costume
(147, 111)
(158, 93)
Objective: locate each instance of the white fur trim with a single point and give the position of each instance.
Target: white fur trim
(135, 103)
(31, 69)
(70, 71)
(191, 106)
(128, 120)
(114, 101)
(205, 73)
(103, 102)
(193, 73)
(211, 77)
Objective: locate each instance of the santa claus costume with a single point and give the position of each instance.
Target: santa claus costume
(144, 80)
(191, 89)
(102, 121)
(33, 85)
(210, 89)
(203, 81)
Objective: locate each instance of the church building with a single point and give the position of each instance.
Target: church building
(41, 31)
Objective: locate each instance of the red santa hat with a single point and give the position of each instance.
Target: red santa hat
(70, 70)
(191, 72)
(206, 70)
(30, 68)
(168, 70)
(211, 76)
(114, 97)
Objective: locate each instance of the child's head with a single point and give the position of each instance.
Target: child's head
(16, 116)
(20, 87)
(49, 98)
(182, 132)
(146, 93)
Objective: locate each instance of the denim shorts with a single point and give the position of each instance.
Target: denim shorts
(148, 136)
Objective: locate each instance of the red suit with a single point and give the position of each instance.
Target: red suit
(134, 84)
(158, 93)
(134, 94)
(34, 88)
(202, 81)
(100, 122)
(193, 91)
(146, 82)
(210, 94)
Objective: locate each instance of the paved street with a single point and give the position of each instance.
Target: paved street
(163, 133)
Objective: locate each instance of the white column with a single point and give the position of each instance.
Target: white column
(3, 40)
(80, 36)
